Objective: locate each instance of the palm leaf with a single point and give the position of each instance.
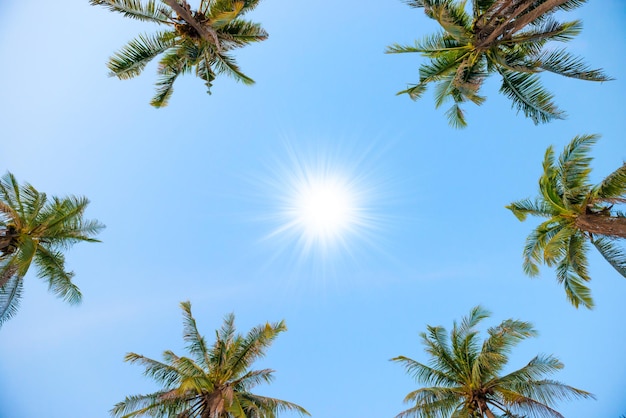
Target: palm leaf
(425, 374)
(226, 64)
(535, 243)
(549, 30)
(171, 66)
(163, 373)
(573, 170)
(51, 266)
(220, 17)
(10, 295)
(563, 63)
(134, 9)
(253, 345)
(571, 273)
(611, 253)
(133, 58)
(529, 96)
(196, 343)
(452, 18)
(241, 33)
(537, 207)
(613, 186)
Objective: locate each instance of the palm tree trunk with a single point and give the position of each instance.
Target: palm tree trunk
(600, 224)
(6, 236)
(205, 32)
(488, 412)
(515, 22)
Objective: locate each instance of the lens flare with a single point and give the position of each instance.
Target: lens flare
(324, 205)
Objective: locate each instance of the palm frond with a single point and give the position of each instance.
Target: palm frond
(270, 406)
(453, 19)
(431, 46)
(221, 17)
(571, 272)
(435, 402)
(196, 344)
(241, 33)
(572, 171)
(425, 374)
(51, 267)
(456, 117)
(225, 64)
(536, 241)
(548, 30)
(529, 96)
(437, 345)
(536, 207)
(563, 63)
(613, 186)
(130, 61)
(10, 195)
(135, 9)
(162, 373)
(253, 346)
(611, 253)
(173, 64)
(10, 295)
(547, 392)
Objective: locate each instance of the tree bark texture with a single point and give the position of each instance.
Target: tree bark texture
(207, 34)
(517, 20)
(600, 224)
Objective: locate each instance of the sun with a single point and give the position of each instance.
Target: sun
(324, 209)
(323, 204)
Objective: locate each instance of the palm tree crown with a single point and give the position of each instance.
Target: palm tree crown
(577, 213)
(35, 229)
(498, 36)
(215, 382)
(466, 374)
(199, 39)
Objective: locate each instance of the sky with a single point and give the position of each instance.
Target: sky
(200, 201)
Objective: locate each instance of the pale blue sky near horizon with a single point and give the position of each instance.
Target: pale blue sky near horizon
(190, 195)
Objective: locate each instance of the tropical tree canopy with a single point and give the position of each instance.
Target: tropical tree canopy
(198, 40)
(507, 37)
(36, 229)
(466, 375)
(578, 213)
(215, 381)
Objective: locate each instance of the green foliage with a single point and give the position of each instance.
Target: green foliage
(466, 374)
(182, 48)
(215, 381)
(566, 196)
(35, 229)
(496, 37)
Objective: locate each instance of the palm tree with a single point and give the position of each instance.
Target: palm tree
(215, 382)
(200, 39)
(578, 213)
(499, 36)
(35, 229)
(466, 374)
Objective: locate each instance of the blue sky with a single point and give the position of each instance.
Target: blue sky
(191, 194)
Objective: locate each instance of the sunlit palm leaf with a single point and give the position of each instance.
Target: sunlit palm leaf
(611, 253)
(613, 186)
(563, 63)
(51, 267)
(529, 96)
(135, 9)
(220, 373)
(132, 58)
(472, 383)
(225, 64)
(10, 295)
